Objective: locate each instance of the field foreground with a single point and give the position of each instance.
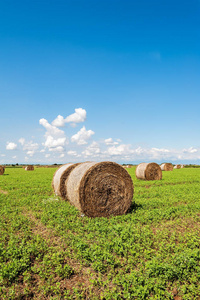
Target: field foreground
(48, 250)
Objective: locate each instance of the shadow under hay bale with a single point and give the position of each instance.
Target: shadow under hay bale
(148, 171)
(97, 189)
(2, 170)
(29, 168)
(167, 167)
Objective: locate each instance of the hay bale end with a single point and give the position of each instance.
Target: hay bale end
(2, 170)
(96, 189)
(148, 171)
(167, 167)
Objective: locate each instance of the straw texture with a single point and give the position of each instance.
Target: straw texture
(177, 167)
(60, 176)
(148, 171)
(2, 170)
(100, 189)
(167, 167)
(29, 168)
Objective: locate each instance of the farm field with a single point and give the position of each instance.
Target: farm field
(48, 250)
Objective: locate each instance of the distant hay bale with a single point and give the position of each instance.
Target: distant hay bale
(177, 167)
(59, 178)
(148, 171)
(99, 189)
(2, 170)
(167, 167)
(29, 168)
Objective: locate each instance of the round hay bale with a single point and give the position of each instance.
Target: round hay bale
(177, 167)
(148, 171)
(29, 168)
(167, 167)
(100, 189)
(2, 170)
(58, 182)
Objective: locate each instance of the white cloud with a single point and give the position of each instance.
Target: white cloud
(62, 155)
(30, 152)
(47, 155)
(77, 117)
(51, 129)
(92, 150)
(3, 155)
(82, 136)
(190, 150)
(55, 139)
(21, 141)
(43, 150)
(119, 150)
(14, 157)
(160, 150)
(11, 146)
(73, 153)
(30, 147)
(110, 142)
(57, 149)
(51, 142)
(59, 121)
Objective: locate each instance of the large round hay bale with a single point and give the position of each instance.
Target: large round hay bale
(148, 171)
(58, 182)
(167, 167)
(2, 170)
(100, 189)
(29, 168)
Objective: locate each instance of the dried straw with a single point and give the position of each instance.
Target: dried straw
(29, 168)
(58, 182)
(2, 170)
(100, 189)
(167, 167)
(148, 171)
(177, 167)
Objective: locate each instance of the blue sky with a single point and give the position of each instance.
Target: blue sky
(130, 69)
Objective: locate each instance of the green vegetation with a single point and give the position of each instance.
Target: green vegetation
(48, 250)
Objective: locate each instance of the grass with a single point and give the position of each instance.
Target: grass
(49, 251)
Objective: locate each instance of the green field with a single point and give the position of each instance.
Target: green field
(49, 251)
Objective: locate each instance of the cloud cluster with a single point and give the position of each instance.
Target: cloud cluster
(110, 142)
(55, 139)
(57, 146)
(11, 146)
(82, 136)
(78, 117)
(93, 150)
